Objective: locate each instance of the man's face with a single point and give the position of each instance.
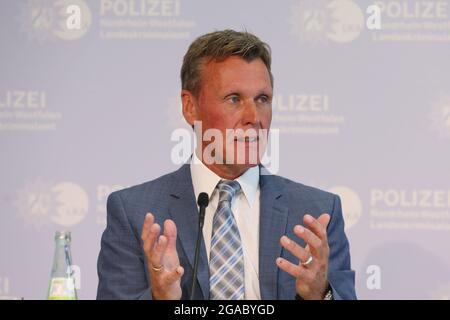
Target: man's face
(235, 94)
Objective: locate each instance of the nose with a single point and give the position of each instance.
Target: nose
(250, 115)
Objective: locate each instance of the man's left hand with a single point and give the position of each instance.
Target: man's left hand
(312, 281)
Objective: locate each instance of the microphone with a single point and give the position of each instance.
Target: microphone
(202, 201)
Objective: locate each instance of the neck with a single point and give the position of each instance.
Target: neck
(227, 171)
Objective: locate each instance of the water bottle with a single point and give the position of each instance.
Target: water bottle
(62, 280)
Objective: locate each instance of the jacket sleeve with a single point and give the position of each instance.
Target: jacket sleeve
(340, 275)
(121, 265)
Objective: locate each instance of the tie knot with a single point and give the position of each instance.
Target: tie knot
(228, 189)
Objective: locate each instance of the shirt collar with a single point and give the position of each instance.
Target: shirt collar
(205, 180)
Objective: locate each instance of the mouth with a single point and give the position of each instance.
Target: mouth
(247, 139)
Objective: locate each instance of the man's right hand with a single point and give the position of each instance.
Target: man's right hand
(162, 259)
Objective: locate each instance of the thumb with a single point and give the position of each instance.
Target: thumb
(174, 275)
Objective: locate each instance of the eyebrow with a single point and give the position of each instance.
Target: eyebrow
(260, 93)
(264, 92)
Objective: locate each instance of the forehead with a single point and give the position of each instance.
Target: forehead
(235, 72)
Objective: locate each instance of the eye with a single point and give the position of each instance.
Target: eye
(234, 99)
(263, 99)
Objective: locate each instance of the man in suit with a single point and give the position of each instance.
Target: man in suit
(265, 237)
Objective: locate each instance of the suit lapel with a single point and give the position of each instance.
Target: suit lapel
(184, 211)
(273, 220)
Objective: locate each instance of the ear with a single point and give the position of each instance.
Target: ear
(189, 103)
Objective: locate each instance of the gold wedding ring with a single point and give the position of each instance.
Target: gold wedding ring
(157, 269)
(307, 262)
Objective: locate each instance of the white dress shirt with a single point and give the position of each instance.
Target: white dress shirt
(245, 207)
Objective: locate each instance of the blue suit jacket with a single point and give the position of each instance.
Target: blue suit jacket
(122, 268)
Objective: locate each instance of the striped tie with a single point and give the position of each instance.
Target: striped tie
(226, 263)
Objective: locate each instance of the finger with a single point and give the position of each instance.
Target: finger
(315, 226)
(314, 243)
(148, 221)
(152, 236)
(158, 253)
(301, 253)
(173, 276)
(170, 231)
(293, 269)
(324, 220)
